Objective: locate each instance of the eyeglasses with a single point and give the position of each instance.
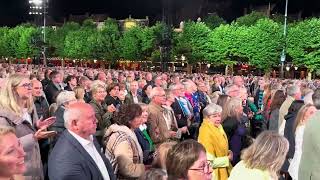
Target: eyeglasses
(205, 169)
(26, 85)
(163, 95)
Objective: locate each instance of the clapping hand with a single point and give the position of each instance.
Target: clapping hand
(44, 134)
(45, 123)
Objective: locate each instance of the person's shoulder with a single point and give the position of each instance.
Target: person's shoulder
(314, 121)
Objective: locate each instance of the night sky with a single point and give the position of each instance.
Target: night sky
(13, 12)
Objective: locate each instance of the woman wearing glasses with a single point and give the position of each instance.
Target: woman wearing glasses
(215, 141)
(187, 160)
(17, 111)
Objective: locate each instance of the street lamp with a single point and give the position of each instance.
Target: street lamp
(288, 68)
(283, 54)
(39, 7)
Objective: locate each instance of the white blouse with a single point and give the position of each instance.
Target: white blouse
(294, 164)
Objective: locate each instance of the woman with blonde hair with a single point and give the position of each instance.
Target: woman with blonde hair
(162, 152)
(235, 130)
(215, 141)
(79, 93)
(263, 159)
(303, 116)
(11, 155)
(16, 110)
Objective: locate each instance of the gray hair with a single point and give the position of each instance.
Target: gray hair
(229, 87)
(71, 114)
(65, 96)
(292, 90)
(211, 109)
(173, 86)
(155, 91)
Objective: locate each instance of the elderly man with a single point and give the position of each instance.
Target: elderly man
(77, 155)
(181, 108)
(293, 93)
(159, 131)
(232, 90)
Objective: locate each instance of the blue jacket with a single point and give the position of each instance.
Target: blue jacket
(70, 161)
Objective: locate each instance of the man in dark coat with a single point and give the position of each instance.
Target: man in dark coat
(53, 87)
(77, 155)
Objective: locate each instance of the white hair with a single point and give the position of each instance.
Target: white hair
(293, 90)
(96, 83)
(65, 96)
(211, 109)
(71, 114)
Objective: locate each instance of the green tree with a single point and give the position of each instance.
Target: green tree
(304, 43)
(130, 44)
(222, 44)
(3, 41)
(263, 44)
(250, 19)
(56, 38)
(20, 41)
(192, 42)
(109, 41)
(214, 21)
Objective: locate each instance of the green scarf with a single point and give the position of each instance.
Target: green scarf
(146, 135)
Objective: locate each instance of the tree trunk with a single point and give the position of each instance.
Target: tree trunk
(309, 77)
(226, 70)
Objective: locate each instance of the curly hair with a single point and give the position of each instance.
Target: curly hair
(127, 113)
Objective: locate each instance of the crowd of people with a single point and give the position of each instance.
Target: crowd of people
(99, 124)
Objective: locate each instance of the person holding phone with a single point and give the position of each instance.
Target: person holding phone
(17, 111)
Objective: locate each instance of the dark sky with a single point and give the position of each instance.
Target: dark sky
(13, 12)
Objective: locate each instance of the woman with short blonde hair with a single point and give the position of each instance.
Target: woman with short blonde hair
(263, 159)
(11, 155)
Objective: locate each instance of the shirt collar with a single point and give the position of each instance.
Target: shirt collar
(81, 140)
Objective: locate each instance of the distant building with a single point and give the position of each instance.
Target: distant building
(128, 23)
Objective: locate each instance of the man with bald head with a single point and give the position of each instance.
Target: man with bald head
(77, 154)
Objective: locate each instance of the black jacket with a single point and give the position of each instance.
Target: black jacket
(290, 135)
(51, 92)
(70, 161)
